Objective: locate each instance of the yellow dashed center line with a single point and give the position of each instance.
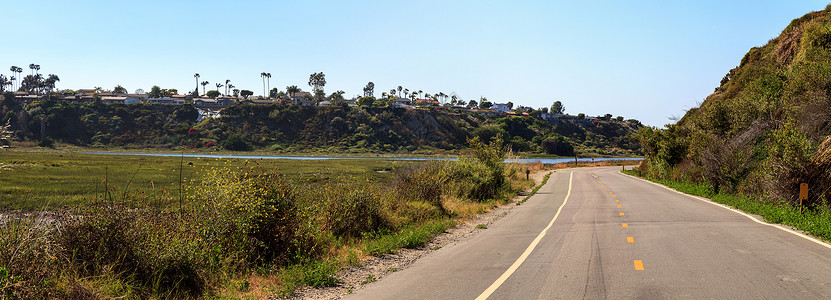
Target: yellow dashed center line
(619, 206)
(630, 239)
(613, 196)
(617, 200)
(625, 224)
(638, 265)
(621, 214)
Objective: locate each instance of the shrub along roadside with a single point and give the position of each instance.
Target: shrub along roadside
(816, 222)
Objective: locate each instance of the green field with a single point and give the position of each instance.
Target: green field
(32, 180)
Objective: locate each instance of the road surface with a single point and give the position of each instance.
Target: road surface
(617, 237)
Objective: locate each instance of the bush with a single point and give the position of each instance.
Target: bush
(350, 210)
(47, 142)
(261, 203)
(421, 183)
(557, 145)
(235, 143)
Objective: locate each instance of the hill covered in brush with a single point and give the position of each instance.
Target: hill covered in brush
(289, 128)
(766, 128)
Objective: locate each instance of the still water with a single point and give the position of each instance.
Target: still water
(519, 160)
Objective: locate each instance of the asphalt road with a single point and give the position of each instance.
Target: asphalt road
(617, 237)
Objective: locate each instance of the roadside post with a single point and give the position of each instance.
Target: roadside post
(527, 173)
(803, 194)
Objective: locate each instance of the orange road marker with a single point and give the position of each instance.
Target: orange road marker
(630, 239)
(625, 224)
(621, 214)
(638, 265)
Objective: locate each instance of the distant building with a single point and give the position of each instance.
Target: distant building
(487, 112)
(120, 100)
(426, 102)
(166, 100)
(84, 92)
(299, 96)
(500, 107)
(258, 101)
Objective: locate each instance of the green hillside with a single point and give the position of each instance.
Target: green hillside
(290, 128)
(765, 129)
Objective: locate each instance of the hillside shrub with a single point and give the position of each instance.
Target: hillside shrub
(557, 145)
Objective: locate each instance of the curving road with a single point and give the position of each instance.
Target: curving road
(617, 237)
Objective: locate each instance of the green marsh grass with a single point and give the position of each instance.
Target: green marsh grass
(49, 180)
(275, 225)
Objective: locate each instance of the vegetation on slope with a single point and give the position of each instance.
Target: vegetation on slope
(765, 129)
(290, 128)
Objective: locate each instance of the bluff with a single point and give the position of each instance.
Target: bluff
(765, 129)
(290, 128)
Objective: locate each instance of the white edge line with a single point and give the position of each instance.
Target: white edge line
(782, 227)
(528, 250)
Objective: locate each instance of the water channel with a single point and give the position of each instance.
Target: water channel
(519, 160)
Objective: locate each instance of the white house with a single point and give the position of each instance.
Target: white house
(500, 107)
(120, 100)
(165, 100)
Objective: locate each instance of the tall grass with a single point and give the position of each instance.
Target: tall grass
(234, 221)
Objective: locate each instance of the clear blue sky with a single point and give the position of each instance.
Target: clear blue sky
(648, 60)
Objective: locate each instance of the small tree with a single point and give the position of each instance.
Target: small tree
(557, 108)
(246, 93)
(119, 89)
(213, 93)
(155, 92)
(366, 101)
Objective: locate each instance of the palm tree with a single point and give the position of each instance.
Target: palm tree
(236, 92)
(218, 85)
(263, 74)
(268, 85)
(406, 93)
(399, 90)
(204, 83)
(197, 83)
(34, 68)
(291, 90)
(12, 81)
(14, 71)
(50, 81)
